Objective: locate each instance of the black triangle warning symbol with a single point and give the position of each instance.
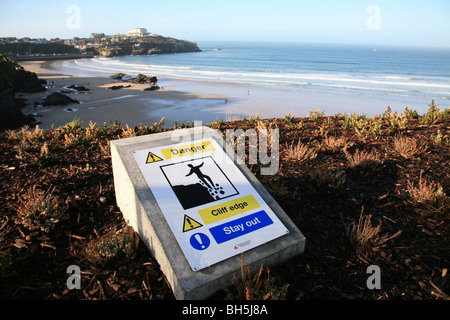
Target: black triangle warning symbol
(152, 158)
(190, 224)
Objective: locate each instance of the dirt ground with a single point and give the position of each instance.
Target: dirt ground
(413, 259)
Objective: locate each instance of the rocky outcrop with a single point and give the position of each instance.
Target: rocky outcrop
(144, 79)
(140, 79)
(58, 99)
(11, 115)
(78, 88)
(13, 79)
(118, 76)
(152, 88)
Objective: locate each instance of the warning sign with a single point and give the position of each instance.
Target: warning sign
(198, 181)
(152, 158)
(186, 150)
(198, 187)
(228, 209)
(190, 224)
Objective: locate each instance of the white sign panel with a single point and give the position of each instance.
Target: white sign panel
(212, 209)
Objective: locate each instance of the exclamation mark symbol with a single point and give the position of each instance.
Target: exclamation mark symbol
(199, 240)
(189, 222)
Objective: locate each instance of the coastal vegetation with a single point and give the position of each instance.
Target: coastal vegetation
(378, 198)
(103, 47)
(26, 48)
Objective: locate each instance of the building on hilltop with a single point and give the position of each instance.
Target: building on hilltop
(137, 32)
(97, 35)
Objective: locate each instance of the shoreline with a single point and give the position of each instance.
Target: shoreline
(130, 105)
(52, 57)
(190, 100)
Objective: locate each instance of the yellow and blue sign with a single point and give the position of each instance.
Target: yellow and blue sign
(211, 207)
(239, 227)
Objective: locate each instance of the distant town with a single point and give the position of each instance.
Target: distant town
(135, 42)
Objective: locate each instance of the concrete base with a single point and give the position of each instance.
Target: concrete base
(142, 212)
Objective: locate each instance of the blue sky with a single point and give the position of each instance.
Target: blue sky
(374, 22)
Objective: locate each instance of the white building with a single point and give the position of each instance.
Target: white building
(137, 32)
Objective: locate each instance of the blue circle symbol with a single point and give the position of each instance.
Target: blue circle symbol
(199, 241)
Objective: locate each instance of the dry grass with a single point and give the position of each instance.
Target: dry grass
(260, 287)
(336, 144)
(428, 194)
(112, 247)
(363, 235)
(300, 152)
(407, 147)
(367, 161)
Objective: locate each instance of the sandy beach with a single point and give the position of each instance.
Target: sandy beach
(187, 100)
(130, 105)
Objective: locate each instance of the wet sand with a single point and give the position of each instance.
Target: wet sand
(130, 105)
(186, 100)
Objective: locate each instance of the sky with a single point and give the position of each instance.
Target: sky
(375, 22)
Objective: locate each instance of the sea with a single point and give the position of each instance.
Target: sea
(353, 78)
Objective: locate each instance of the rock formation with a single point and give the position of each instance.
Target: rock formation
(14, 79)
(57, 99)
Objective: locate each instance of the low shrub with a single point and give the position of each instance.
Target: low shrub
(39, 210)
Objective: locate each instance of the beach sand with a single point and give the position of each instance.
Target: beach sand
(187, 100)
(129, 105)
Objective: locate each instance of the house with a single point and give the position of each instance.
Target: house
(137, 32)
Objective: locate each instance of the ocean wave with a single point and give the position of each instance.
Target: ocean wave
(394, 84)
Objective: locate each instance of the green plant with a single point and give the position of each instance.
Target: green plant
(115, 125)
(433, 114)
(440, 138)
(74, 139)
(31, 151)
(411, 114)
(259, 287)
(396, 122)
(289, 120)
(80, 171)
(367, 127)
(265, 129)
(182, 125)
(112, 247)
(44, 156)
(93, 131)
(328, 179)
(70, 127)
(316, 115)
(39, 210)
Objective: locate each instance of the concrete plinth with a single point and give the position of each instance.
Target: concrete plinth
(141, 210)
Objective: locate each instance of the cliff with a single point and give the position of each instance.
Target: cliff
(148, 46)
(107, 48)
(13, 79)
